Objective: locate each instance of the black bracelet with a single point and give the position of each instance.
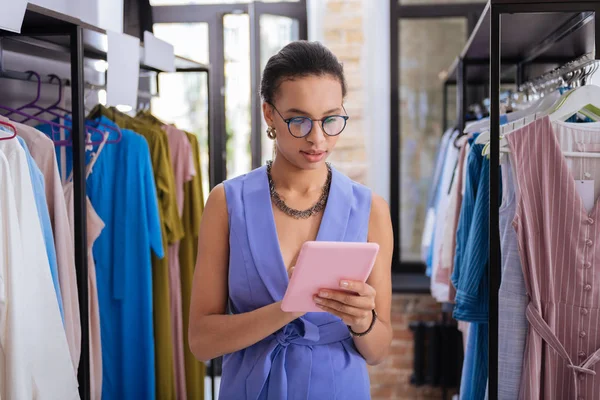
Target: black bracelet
(368, 330)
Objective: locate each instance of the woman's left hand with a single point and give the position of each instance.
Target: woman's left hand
(355, 308)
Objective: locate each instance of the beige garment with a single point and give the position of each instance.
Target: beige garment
(42, 151)
(184, 170)
(94, 228)
(446, 265)
(95, 225)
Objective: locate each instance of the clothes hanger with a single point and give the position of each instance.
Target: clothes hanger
(54, 126)
(33, 104)
(540, 104)
(66, 114)
(552, 103)
(11, 127)
(574, 101)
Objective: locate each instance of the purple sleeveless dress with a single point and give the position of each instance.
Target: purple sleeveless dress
(314, 357)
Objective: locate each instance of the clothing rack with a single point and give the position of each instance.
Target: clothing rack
(554, 36)
(50, 34)
(558, 74)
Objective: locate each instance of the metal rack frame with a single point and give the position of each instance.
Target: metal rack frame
(498, 8)
(50, 28)
(567, 40)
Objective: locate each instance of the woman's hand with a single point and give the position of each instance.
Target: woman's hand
(353, 307)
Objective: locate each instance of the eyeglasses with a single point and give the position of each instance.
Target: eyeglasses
(300, 127)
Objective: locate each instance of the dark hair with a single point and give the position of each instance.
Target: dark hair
(300, 59)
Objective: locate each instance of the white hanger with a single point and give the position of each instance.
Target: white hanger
(574, 100)
(520, 118)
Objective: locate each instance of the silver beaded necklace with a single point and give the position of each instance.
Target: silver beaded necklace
(300, 214)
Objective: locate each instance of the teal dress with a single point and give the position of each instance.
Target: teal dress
(313, 357)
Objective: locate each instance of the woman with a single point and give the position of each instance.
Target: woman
(252, 230)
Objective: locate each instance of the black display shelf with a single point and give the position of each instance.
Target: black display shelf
(531, 44)
(47, 27)
(516, 41)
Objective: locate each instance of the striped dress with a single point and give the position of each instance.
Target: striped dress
(559, 243)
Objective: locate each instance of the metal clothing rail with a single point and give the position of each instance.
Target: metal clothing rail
(498, 8)
(558, 73)
(554, 36)
(43, 33)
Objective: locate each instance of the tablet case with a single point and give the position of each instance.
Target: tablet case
(322, 265)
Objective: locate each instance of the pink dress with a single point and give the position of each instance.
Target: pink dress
(183, 168)
(559, 244)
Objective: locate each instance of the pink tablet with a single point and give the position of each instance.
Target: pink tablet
(322, 265)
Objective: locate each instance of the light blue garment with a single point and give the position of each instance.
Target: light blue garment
(122, 191)
(427, 239)
(441, 201)
(39, 191)
(313, 357)
(512, 297)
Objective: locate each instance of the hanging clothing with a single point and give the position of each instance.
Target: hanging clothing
(446, 266)
(95, 225)
(428, 230)
(184, 171)
(313, 357)
(172, 232)
(470, 273)
(39, 191)
(94, 228)
(190, 192)
(512, 297)
(185, 155)
(42, 151)
(440, 290)
(193, 206)
(122, 191)
(34, 343)
(557, 237)
(18, 386)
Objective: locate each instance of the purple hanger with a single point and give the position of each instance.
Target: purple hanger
(67, 112)
(53, 125)
(33, 104)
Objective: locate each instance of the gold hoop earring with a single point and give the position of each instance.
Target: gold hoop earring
(271, 133)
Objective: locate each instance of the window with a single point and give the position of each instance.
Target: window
(275, 32)
(183, 98)
(427, 46)
(237, 94)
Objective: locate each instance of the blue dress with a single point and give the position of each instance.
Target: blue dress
(313, 357)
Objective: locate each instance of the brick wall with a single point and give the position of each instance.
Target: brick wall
(391, 379)
(343, 34)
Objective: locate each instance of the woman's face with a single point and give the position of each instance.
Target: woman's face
(316, 97)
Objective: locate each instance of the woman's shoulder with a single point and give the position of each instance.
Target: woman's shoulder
(240, 179)
(358, 190)
(378, 204)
